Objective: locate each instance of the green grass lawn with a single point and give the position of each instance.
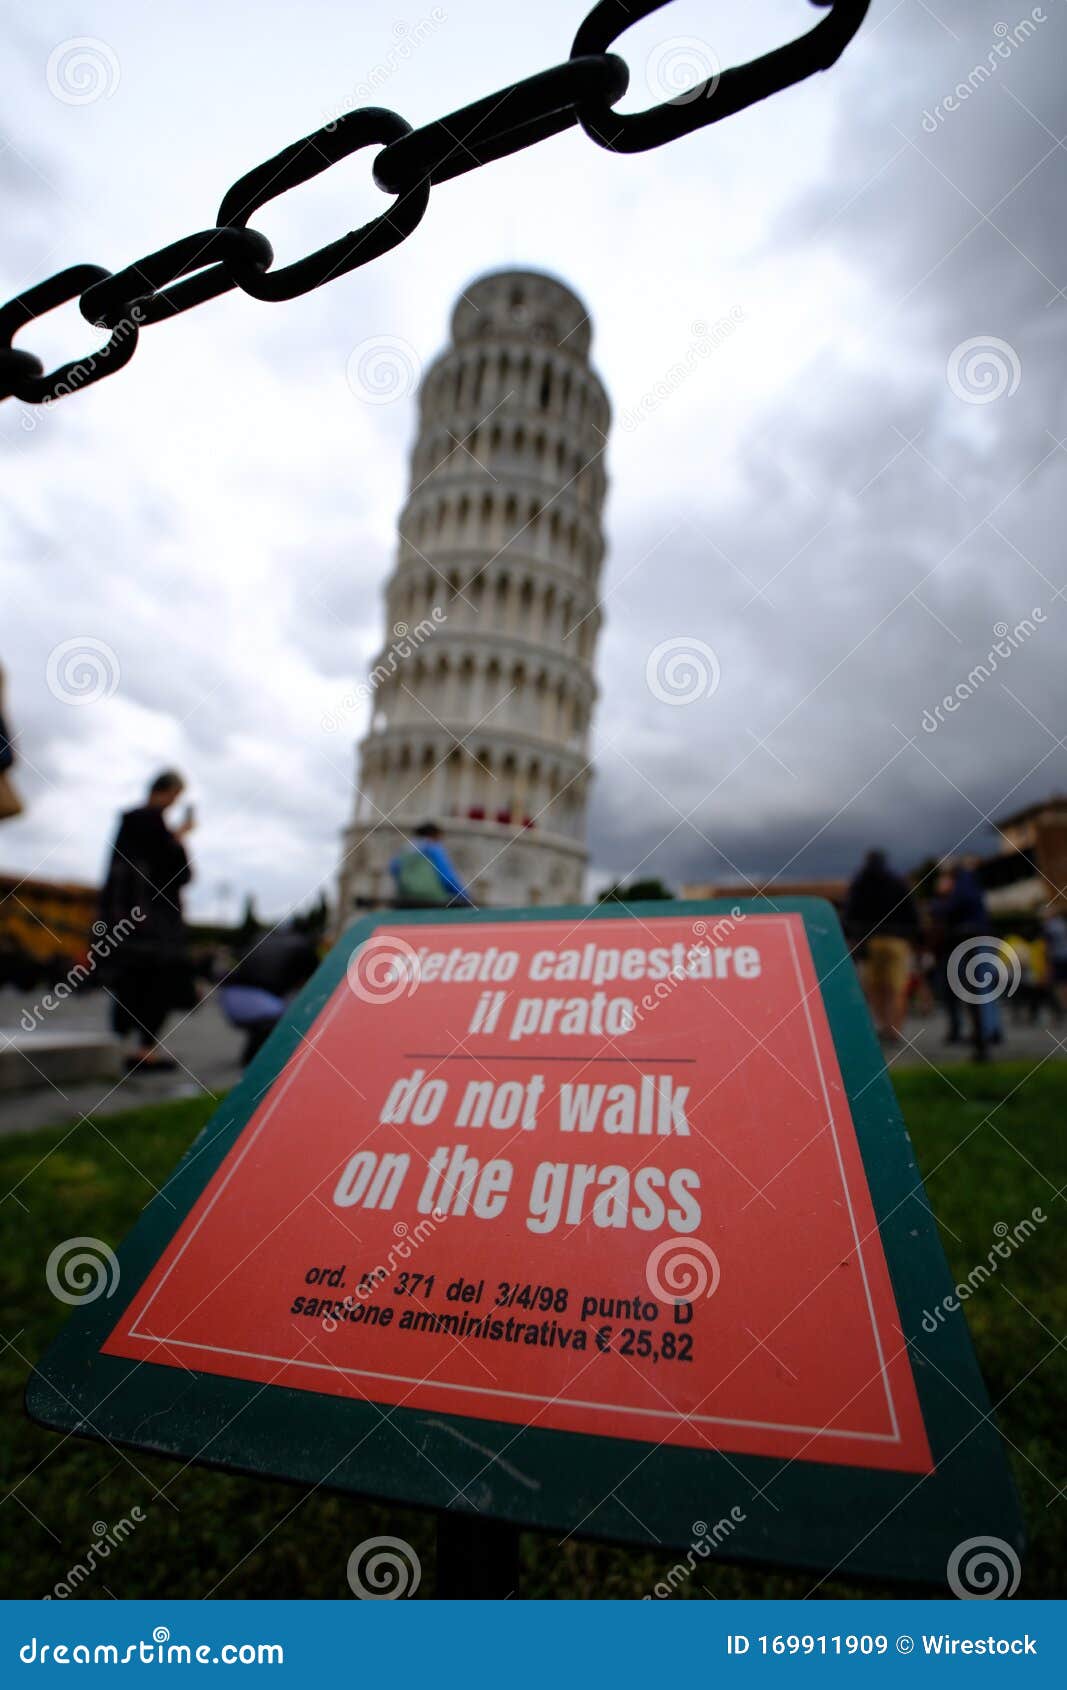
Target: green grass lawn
(991, 1145)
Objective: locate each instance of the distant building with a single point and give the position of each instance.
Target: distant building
(45, 928)
(836, 891)
(1031, 868)
(484, 689)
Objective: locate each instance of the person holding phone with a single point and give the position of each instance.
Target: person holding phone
(10, 802)
(151, 973)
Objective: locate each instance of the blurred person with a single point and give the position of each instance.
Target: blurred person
(919, 997)
(881, 920)
(255, 992)
(150, 973)
(1054, 933)
(10, 802)
(962, 919)
(1044, 992)
(1016, 956)
(425, 876)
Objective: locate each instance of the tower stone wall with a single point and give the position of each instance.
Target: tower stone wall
(483, 692)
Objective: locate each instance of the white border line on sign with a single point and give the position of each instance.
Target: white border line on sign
(786, 920)
(676, 1414)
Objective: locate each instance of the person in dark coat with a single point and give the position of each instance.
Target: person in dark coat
(10, 802)
(883, 927)
(150, 970)
(967, 965)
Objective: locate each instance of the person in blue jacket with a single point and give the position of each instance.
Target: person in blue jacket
(425, 876)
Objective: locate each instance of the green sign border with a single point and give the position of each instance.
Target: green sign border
(801, 1513)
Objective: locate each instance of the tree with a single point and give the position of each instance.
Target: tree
(250, 926)
(634, 893)
(314, 921)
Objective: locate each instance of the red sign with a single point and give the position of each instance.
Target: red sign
(596, 1176)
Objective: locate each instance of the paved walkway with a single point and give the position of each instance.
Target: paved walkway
(924, 1043)
(201, 1042)
(207, 1050)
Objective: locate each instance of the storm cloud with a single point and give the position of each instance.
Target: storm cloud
(830, 328)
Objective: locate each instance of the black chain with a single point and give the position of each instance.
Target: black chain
(583, 90)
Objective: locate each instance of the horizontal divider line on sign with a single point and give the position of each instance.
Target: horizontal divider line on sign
(524, 1056)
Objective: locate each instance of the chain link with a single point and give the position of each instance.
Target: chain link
(719, 96)
(146, 284)
(299, 163)
(582, 90)
(502, 123)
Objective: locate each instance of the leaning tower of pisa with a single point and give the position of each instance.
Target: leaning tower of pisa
(482, 694)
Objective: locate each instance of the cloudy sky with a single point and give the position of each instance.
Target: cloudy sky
(843, 497)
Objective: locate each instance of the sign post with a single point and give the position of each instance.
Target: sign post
(595, 1221)
(476, 1558)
